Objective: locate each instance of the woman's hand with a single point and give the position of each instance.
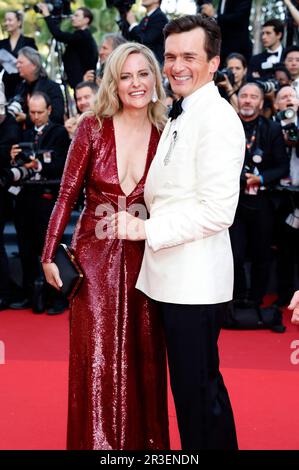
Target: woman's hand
(52, 275)
(125, 226)
(294, 305)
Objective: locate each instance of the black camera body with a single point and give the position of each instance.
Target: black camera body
(289, 127)
(221, 74)
(57, 8)
(291, 132)
(123, 6)
(29, 149)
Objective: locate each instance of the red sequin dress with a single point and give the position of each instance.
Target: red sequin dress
(117, 373)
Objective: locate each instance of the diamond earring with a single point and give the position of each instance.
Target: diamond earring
(154, 96)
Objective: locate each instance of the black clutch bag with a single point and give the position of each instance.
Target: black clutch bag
(70, 272)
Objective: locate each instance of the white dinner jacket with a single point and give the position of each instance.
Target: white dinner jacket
(191, 193)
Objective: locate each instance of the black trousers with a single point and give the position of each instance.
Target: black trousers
(253, 229)
(203, 408)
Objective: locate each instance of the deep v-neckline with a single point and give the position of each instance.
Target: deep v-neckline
(116, 163)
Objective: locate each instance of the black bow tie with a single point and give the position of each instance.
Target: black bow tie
(272, 53)
(176, 109)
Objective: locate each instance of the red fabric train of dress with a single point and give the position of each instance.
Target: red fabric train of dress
(117, 375)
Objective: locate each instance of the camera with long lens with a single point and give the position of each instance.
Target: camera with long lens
(57, 8)
(287, 120)
(11, 176)
(30, 149)
(286, 114)
(123, 6)
(269, 85)
(15, 105)
(221, 75)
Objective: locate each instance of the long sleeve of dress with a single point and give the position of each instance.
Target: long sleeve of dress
(71, 184)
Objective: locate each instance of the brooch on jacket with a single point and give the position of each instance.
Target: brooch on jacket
(171, 147)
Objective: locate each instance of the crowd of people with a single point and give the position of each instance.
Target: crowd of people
(220, 191)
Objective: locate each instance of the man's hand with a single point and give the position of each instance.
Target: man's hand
(207, 9)
(14, 151)
(33, 164)
(126, 227)
(131, 18)
(89, 76)
(20, 117)
(253, 180)
(44, 9)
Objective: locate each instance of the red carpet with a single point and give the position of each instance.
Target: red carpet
(256, 365)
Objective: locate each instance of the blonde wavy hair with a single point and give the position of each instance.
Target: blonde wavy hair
(107, 102)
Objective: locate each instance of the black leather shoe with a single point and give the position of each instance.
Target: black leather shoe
(277, 325)
(21, 305)
(59, 306)
(3, 304)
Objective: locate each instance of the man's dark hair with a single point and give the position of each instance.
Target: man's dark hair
(92, 85)
(288, 50)
(87, 14)
(277, 25)
(41, 94)
(190, 22)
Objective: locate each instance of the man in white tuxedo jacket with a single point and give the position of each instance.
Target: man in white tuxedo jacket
(191, 193)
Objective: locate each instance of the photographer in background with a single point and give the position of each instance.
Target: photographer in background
(150, 29)
(286, 105)
(13, 21)
(265, 164)
(35, 202)
(109, 42)
(29, 65)
(230, 79)
(81, 53)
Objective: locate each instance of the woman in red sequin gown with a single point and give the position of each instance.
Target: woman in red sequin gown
(117, 373)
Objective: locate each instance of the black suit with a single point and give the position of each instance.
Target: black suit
(81, 53)
(34, 204)
(149, 32)
(234, 24)
(253, 224)
(255, 65)
(51, 89)
(11, 81)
